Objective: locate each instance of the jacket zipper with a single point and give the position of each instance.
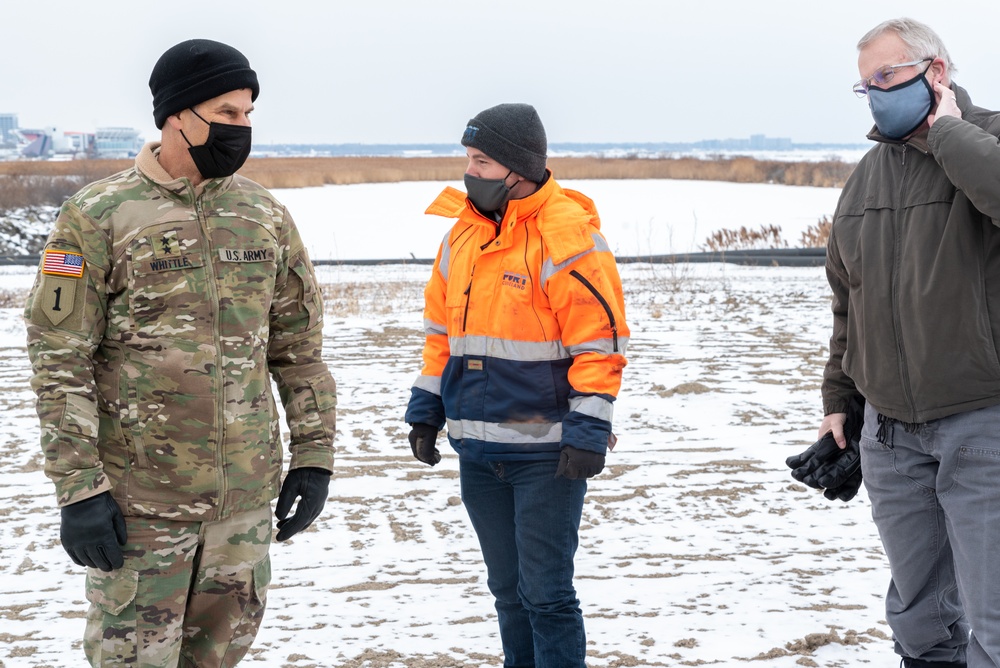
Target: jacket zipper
(468, 289)
(604, 302)
(134, 429)
(221, 401)
(468, 298)
(897, 325)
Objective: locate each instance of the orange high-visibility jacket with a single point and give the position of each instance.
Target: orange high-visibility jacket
(526, 332)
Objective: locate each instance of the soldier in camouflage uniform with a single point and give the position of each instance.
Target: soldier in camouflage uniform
(168, 297)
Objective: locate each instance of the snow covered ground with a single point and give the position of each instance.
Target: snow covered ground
(697, 548)
(639, 217)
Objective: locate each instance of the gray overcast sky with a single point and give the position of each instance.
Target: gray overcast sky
(407, 71)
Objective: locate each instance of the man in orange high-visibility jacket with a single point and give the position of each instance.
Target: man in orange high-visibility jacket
(525, 348)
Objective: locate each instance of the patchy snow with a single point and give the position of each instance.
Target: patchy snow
(23, 231)
(697, 547)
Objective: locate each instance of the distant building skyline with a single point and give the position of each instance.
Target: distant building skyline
(8, 123)
(104, 142)
(121, 142)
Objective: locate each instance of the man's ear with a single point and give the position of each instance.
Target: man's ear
(939, 72)
(175, 120)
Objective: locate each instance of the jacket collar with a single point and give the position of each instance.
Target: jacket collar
(452, 202)
(148, 166)
(567, 224)
(526, 207)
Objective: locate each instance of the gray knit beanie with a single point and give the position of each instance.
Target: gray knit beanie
(194, 71)
(511, 134)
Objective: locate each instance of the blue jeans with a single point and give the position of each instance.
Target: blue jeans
(935, 495)
(527, 522)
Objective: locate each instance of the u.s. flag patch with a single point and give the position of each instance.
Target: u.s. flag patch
(62, 263)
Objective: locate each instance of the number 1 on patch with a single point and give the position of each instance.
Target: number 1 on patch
(58, 297)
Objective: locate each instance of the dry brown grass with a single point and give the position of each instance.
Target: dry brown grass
(23, 191)
(301, 172)
(93, 169)
(304, 172)
(830, 173)
(817, 235)
(31, 184)
(767, 236)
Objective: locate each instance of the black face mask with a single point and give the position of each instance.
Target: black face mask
(487, 194)
(225, 150)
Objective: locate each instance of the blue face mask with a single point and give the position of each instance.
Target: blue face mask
(898, 111)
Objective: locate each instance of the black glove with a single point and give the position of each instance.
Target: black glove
(837, 470)
(823, 465)
(815, 461)
(92, 532)
(848, 490)
(311, 485)
(422, 441)
(577, 464)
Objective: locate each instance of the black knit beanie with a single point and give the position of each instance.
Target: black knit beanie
(194, 71)
(511, 134)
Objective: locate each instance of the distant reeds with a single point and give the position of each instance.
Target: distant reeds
(308, 171)
(816, 236)
(29, 191)
(826, 174)
(26, 186)
(767, 237)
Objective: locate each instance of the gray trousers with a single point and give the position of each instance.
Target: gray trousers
(935, 496)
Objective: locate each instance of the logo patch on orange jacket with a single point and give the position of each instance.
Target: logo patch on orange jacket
(512, 280)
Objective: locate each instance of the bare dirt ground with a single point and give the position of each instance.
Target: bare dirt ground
(697, 548)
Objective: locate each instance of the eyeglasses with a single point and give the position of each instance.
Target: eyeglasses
(882, 76)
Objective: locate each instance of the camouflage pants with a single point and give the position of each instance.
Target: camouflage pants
(190, 594)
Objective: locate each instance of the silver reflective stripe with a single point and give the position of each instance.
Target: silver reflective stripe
(506, 432)
(596, 407)
(445, 256)
(505, 349)
(549, 269)
(431, 384)
(431, 327)
(599, 346)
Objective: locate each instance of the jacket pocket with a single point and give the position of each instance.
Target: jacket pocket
(309, 295)
(604, 304)
(134, 425)
(274, 432)
(261, 579)
(168, 295)
(312, 413)
(112, 592)
(325, 395)
(79, 416)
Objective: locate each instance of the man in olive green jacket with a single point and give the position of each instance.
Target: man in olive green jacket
(914, 263)
(168, 297)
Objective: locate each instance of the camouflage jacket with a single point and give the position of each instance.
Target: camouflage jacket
(157, 315)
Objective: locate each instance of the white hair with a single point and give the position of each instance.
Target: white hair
(921, 42)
